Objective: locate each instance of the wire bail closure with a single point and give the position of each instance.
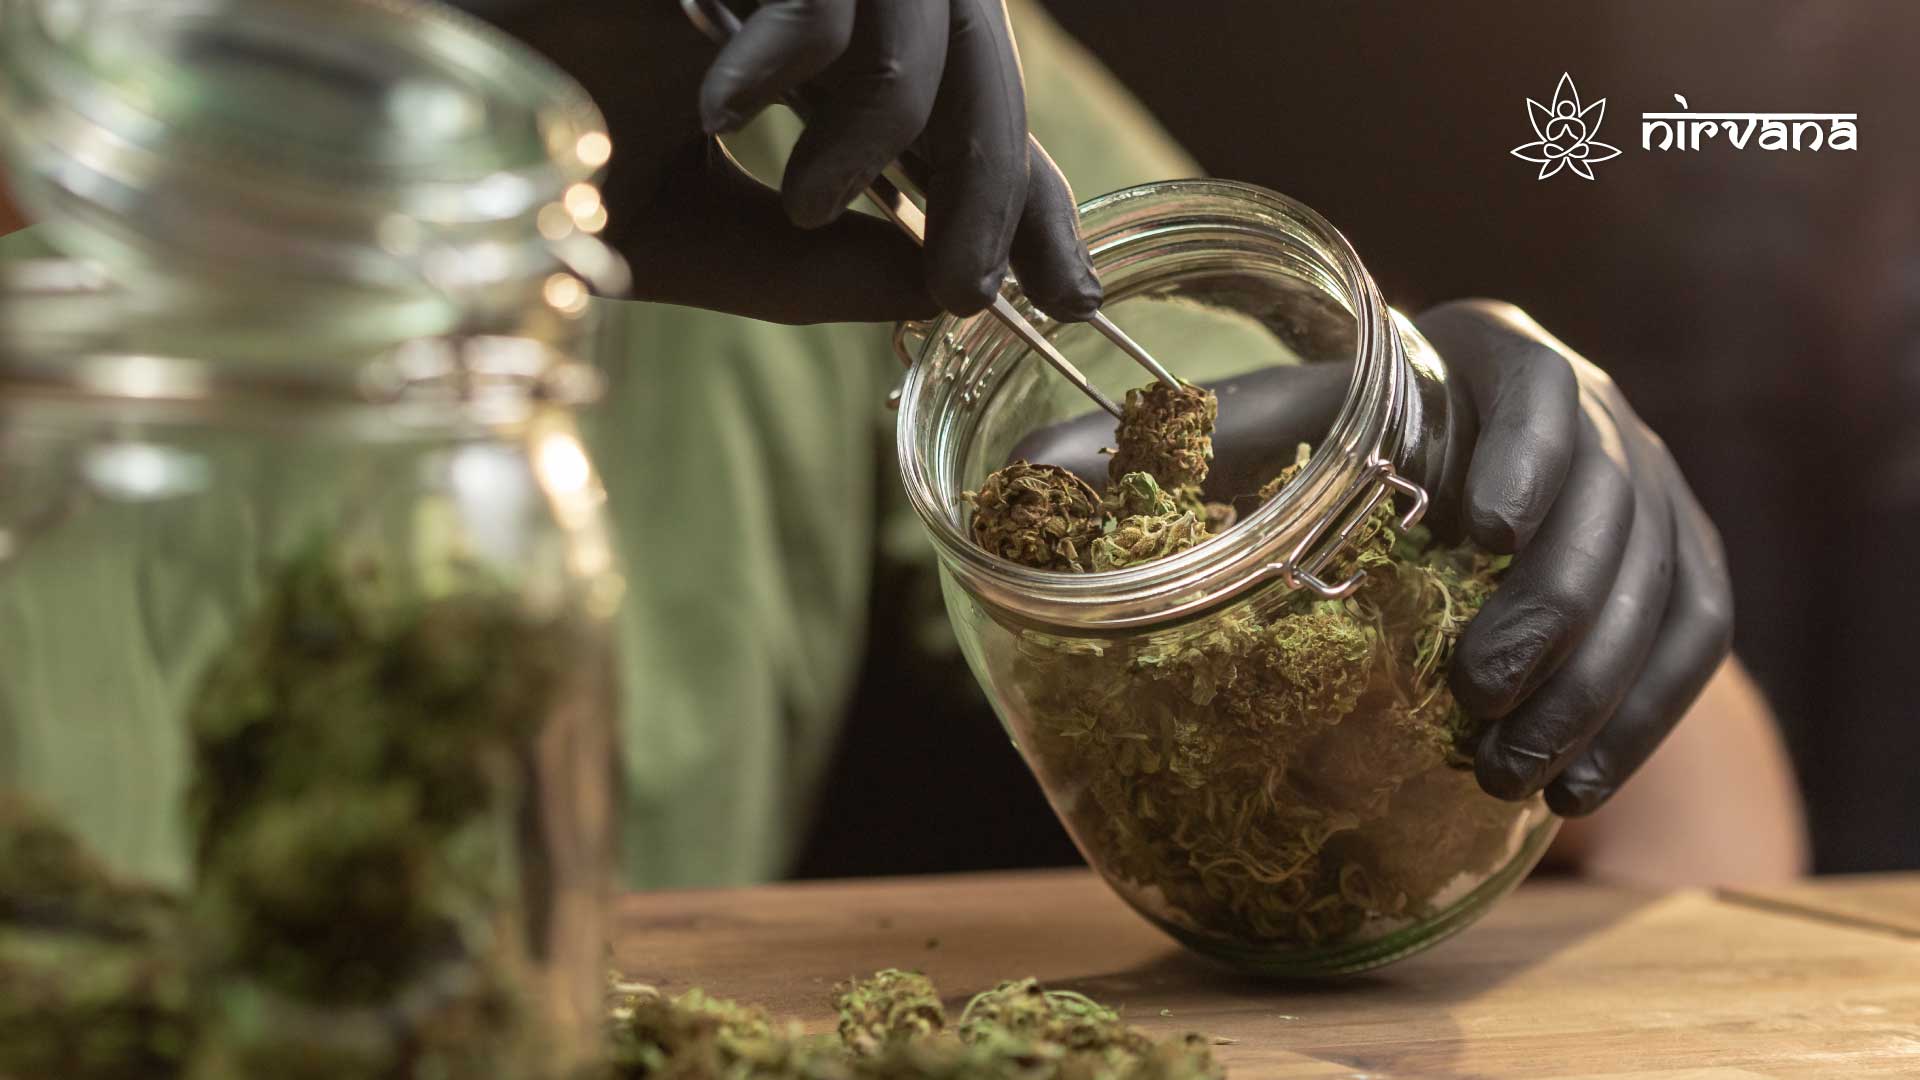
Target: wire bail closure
(1379, 482)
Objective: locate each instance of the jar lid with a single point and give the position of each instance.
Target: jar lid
(301, 144)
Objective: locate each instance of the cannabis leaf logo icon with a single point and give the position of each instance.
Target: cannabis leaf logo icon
(1566, 133)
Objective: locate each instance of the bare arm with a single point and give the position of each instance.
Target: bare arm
(1717, 803)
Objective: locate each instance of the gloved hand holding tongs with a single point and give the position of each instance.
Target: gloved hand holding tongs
(934, 81)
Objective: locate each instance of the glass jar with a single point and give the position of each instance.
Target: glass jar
(1257, 792)
(337, 675)
(306, 717)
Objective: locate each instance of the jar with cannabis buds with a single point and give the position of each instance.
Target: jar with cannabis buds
(306, 715)
(1249, 736)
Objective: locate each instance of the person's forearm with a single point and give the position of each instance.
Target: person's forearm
(1717, 803)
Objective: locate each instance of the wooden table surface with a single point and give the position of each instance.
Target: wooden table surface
(1562, 980)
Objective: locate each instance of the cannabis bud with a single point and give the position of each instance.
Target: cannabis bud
(1147, 523)
(1138, 494)
(1041, 516)
(1301, 455)
(1022, 1007)
(891, 1006)
(1167, 432)
(1045, 517)
(696, 1035)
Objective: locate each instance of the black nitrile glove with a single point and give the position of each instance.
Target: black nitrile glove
(939, 78)
(1617, 608)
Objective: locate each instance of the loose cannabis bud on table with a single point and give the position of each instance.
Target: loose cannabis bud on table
(892, 1006)
(1024, 1009)
(893, 1027)
(696, 1036)
(1286, 772)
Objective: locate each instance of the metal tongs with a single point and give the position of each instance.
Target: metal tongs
(714, 19)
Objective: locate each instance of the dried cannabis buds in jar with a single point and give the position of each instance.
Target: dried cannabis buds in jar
(356, 906)
(1037, 515)
(1284, 773)
(893, 1027)
(1045, 517)
(1168, 433)
(93, 975)
(357, 755)
(1147, 523)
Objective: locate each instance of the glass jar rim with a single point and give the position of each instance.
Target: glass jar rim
(1270, 544)
(73, 337)
(433, 169)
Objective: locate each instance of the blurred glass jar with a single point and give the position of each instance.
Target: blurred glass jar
(400, 161)
(305, 588)
(1327, 823)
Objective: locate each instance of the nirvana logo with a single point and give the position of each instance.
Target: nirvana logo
(1777, 131)
(1566, 132)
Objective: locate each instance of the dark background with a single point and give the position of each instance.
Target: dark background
(1761, 309)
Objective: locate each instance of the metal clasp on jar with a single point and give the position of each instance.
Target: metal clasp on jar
(908, 339)
(1379, 481)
